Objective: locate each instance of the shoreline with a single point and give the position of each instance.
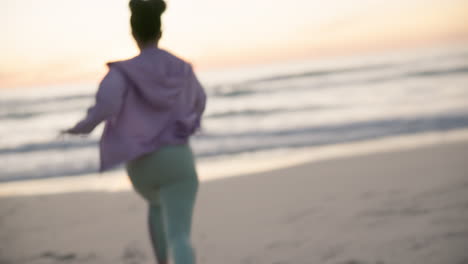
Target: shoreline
(401, 206)
(220, 168)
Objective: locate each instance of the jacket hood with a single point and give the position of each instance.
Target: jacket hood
(158, 76)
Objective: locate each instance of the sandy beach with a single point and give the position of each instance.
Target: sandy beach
(395, 207)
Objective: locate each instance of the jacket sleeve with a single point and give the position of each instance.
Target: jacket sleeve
(200, 101)
(108, 101)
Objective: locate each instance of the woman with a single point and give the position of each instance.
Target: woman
(151, 105)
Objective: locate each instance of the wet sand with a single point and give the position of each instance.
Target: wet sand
(401, 206)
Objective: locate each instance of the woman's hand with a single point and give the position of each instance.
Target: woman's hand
(62, 133)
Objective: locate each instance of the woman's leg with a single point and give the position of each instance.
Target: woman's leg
(157, 233)
(142, 180)
(167, 179)
(177, 202)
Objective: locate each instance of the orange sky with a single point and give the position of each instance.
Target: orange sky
(56, 41)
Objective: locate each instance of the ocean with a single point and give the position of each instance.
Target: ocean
(288, 106)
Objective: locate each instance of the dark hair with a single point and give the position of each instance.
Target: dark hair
(146, 19)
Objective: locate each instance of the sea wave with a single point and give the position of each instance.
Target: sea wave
(307, 107)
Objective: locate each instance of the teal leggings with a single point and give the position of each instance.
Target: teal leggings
(167, 179)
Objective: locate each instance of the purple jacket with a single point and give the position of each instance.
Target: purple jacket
(149, 101)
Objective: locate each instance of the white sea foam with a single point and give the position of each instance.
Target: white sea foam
(241, 165)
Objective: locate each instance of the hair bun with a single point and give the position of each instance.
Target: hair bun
(156, 7)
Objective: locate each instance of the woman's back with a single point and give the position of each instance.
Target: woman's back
(161, 104)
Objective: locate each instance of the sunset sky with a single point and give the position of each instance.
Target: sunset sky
(58, 41)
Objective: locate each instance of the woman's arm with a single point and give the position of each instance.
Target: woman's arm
(109, 99)
(200, 102)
